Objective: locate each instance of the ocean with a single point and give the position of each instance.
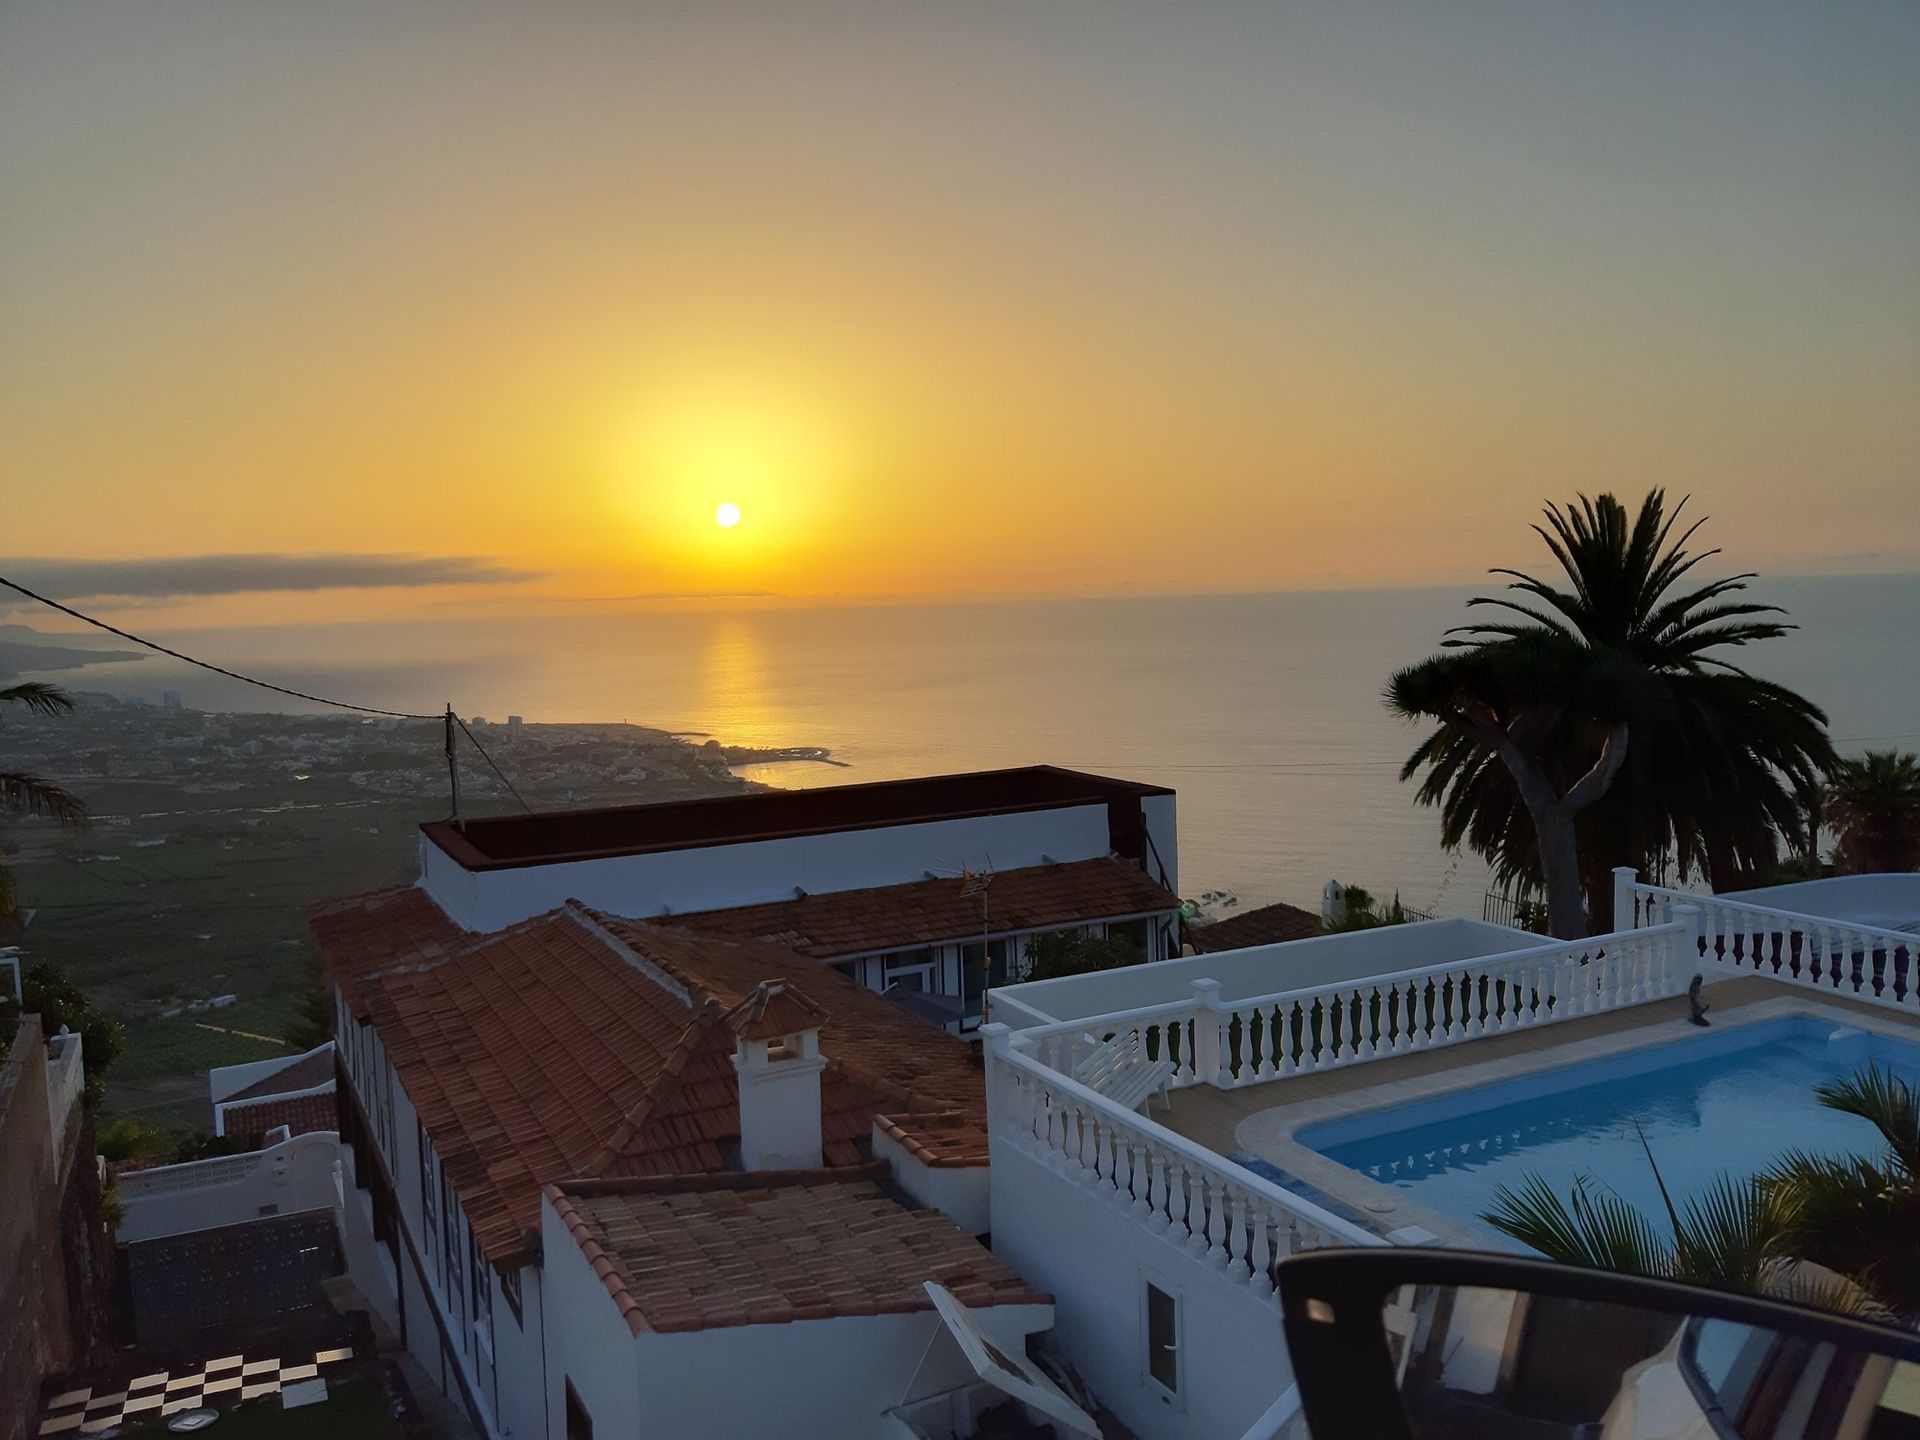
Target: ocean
(1262, 710)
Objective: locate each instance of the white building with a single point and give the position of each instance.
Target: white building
(571, 1036)
(923, 888)
(1146, 1166)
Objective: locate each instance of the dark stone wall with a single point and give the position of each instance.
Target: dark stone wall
(55, 1261)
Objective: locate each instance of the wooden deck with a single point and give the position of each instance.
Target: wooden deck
(1211, 1117)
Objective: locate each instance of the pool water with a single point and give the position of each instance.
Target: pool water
(1725, 1101)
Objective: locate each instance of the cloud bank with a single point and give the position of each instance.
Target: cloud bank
(196, 575)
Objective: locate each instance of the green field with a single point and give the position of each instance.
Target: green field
(218, 909)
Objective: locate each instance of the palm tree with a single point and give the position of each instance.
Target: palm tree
(1843, 1233)
(21, 792)
(1593, 725)
(1873, 804)
(1855, 1216)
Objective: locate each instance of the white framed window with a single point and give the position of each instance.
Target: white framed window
(1162, 1366)
(913, 971)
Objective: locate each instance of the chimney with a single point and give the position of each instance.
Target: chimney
(776, 1054)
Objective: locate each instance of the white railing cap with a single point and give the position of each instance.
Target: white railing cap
(1296, 1205)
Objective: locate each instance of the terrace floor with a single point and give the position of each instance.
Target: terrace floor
(1258, 1119)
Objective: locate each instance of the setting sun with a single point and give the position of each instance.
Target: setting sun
(727, 515)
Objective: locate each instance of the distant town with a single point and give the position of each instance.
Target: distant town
(180, 905)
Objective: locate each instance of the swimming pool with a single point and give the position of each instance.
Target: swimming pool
(1726, 1100)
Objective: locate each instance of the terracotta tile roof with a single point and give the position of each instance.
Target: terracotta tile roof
(912, 1068)
(303, 1073)
(772, 1010)
(522, 1059)
(548, 1051)
(1269, 925)
(899, 917)
(711, 1251)
(301, 1114)
(381, 930)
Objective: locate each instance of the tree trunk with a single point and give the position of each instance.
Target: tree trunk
(1560, 874)
(1553, 817)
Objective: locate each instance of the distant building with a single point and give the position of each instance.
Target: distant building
(170, 700)
(513, 726)
(927, 887)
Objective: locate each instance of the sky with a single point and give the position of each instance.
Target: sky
(355, 309)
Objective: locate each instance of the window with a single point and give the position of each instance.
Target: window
(912, 971)
(579, 1423)
(482, 1291)
(429, 1201)
(1160, 1310)
(510, 1287)
(449, 1241)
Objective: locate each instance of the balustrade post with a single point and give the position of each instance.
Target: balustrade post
(1686, 944)
(996, 1042)
(1207, 1046)
(1625, 877)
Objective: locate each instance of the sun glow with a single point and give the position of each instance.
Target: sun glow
(726, 515)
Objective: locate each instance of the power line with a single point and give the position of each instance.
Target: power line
(218, 669)
(489, 759)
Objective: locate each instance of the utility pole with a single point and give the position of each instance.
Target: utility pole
(453, 765)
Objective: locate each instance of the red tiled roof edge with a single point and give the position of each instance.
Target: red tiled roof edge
(602, 1264)
(301, 1114)
(915, 1142)
(607, 1267)
(722, 1180)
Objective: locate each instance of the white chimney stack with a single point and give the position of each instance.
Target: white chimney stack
(776, 1055)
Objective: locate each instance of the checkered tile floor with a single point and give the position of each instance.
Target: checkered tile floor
(230, 1377)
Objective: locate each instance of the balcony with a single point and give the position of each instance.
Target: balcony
(1142, 1120)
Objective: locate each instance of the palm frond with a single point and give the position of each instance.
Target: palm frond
(33, 796)
(1592, 1227)
(1886, 1102)
(39, 697)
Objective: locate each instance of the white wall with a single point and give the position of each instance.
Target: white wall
(1261, 969)
(960, 1192)
(1889, 901)
(296, 1174)
(717, 877)
(587, 1340)
(521, 1358)
(369, 1265)
(225, 1080)
(1095, 1258)
(827, 1378)
(66, 1083)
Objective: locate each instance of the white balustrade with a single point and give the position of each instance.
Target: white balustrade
(1251, 1042)
(1216, 1210)
(1840, 957)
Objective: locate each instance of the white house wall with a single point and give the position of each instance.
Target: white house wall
(960, 1192)
(587, 1341)
(297, 1174)
(1095, 1258)
(825, 1378)
(498, 1361)
(716, 877)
